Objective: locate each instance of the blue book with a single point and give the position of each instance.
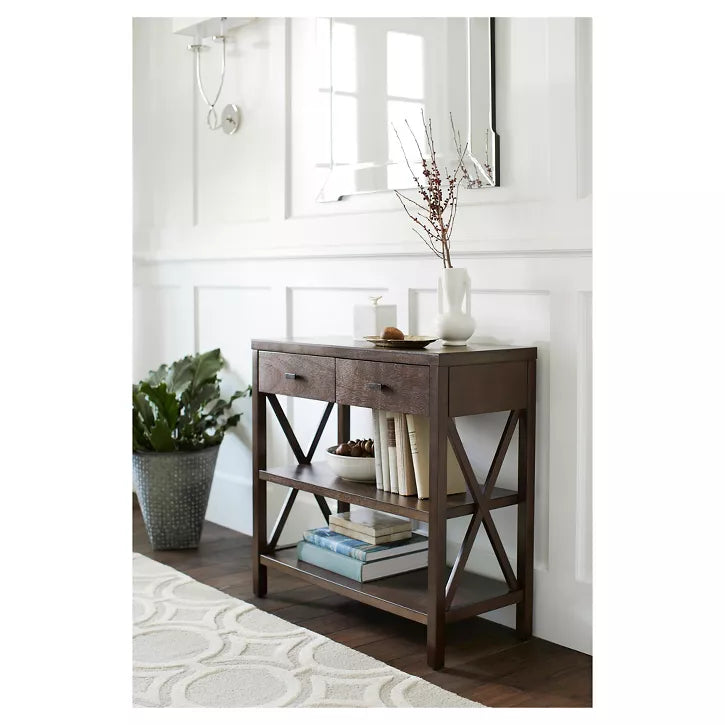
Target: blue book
(361, 550)
(359, 570)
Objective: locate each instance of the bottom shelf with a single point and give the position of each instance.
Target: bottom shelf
(403, 594)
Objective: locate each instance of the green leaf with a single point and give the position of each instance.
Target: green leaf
(155, 377)
(213, 439)
(233, 420)
(200, 398)
(181, 375)
(142, 406)
(206, 366)
(218, 408)
(241, 394)
(165, 402)
(160, 437)
(141, 440)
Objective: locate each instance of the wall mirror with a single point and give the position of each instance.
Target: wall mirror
(374, 74)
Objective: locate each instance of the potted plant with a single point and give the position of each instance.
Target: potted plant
(433, 215)
(179, 421)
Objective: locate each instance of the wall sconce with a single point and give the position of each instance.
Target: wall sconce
(230, 116)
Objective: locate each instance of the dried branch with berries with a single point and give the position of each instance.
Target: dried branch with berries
(435, 214)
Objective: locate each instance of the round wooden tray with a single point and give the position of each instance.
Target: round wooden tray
(411, 342)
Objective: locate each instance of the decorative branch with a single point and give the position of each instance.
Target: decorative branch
(439, 193)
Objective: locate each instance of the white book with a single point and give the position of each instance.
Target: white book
(369, 539)
(376, 448)
(375, 523)
(384, 460)
(392, 451)
(419, 435)
(406, 472)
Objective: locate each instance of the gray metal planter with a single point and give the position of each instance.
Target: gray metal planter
(173, 491)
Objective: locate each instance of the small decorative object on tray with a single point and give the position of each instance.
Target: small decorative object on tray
(392, 333)
(393, 337)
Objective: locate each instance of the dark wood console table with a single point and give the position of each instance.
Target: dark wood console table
(442, 383)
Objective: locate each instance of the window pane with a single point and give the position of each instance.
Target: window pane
(344, 51)
(322, 46)
(344, 144)
(405, 65)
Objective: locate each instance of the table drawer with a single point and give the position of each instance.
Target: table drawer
(303, 376)
(385, 386)
(487, 388)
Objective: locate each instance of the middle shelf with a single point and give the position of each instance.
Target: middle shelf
(318, 478)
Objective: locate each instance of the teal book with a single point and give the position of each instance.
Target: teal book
(359, 570)
(361, 550)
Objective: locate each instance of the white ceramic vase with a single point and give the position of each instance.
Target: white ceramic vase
(454, 323)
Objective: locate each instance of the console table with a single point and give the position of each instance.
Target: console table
(442, 383)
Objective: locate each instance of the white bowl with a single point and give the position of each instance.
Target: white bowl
(351, 468)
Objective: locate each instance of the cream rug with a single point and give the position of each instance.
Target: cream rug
(194, 646)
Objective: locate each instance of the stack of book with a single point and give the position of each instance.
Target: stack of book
(401, 443)
(364, 545)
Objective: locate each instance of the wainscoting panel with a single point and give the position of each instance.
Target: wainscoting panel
(163, 327)
(584, 449)
(224, 319)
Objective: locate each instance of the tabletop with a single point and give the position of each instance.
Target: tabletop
(435, 354)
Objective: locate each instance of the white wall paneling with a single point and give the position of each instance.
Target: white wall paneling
(230, 244)
(163, 325)
(584, 106)
(584, 441)
(223, 320)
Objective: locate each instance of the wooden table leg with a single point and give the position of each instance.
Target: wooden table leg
(525, 537)
(259, 487)
(438, 448)
(343, 436)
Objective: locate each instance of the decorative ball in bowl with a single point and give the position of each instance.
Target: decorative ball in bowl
(352, 468)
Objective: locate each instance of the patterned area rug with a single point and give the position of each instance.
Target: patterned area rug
(194, 646)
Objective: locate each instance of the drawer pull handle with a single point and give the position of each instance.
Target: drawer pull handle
(374, 386)
(291, 376)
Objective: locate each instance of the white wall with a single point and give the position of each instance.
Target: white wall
(230, 244)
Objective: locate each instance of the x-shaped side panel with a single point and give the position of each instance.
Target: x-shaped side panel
(482, 498)
(301, 459)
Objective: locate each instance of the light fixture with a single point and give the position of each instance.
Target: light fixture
(230, 117)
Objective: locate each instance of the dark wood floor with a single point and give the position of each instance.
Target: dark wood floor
(484, 661)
